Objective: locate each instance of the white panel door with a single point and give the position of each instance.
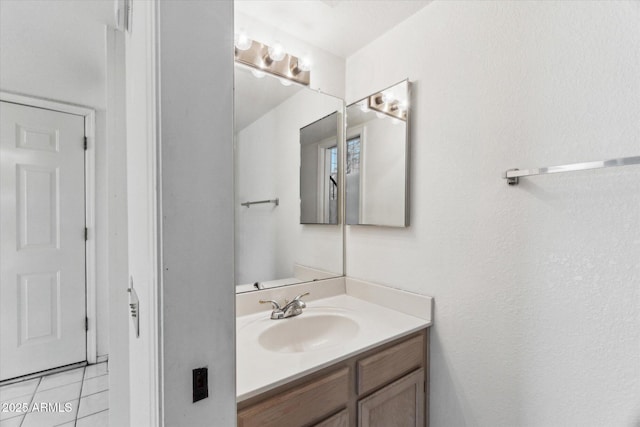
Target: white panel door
(42, 242)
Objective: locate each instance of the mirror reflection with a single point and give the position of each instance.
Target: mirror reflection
(272, 247)
(319, 164)
(377, 158)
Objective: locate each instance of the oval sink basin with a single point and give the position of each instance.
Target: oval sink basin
(308, 332)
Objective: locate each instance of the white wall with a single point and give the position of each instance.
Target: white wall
(56, 50)
(537, 318)
(269, 240)
(196, 134)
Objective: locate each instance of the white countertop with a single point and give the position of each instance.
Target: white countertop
(259, 369)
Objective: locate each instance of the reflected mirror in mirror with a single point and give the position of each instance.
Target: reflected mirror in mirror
(377, 158)
(272, 248)
(319, 165)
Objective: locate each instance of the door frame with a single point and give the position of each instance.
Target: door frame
(89, 115)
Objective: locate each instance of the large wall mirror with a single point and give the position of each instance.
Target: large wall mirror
(377, 158)
(275, 242)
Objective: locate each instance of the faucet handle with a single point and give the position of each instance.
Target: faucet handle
(300, 303)
(274, 304)
(300, 296)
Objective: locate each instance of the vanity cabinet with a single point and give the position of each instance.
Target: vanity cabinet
(382, 387)
(398, 404)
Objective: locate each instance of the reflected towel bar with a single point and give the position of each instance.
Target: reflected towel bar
(275, 201)
(513, 175)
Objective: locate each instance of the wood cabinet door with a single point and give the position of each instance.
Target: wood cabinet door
(341, 419)
(400, 404)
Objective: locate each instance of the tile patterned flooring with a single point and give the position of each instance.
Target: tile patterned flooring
(75, 398)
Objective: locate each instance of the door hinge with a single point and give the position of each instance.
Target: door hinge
(86, 234)
(86, 144)
(86, 323)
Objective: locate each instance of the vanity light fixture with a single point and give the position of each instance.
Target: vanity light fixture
(262, 58)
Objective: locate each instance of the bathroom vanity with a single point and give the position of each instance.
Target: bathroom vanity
(332, 351)
(356, 356)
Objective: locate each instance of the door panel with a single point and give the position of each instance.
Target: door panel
(38, 190)
(42, 247)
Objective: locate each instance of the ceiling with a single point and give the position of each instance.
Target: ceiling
(341, 27)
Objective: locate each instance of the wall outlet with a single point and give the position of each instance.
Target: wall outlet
(200, 384)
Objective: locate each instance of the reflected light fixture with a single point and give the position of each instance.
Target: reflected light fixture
(385, 104)
(257, 73)
(273, 60)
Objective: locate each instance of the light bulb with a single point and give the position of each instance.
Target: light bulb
(403, 104)
(242, 42)
(258, 74)
(285, 82)
(276, 52)
(304, 63)
(387, 97)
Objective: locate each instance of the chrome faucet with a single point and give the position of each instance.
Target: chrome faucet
(289, 309)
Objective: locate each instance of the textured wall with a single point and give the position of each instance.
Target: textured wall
(537, 287)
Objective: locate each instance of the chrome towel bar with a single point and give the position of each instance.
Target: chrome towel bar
(275, 201)
(513, 175)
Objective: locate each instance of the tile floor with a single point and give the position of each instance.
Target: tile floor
(75, 398)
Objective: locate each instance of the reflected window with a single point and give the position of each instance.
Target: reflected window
(332, 154)
(353, 155)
